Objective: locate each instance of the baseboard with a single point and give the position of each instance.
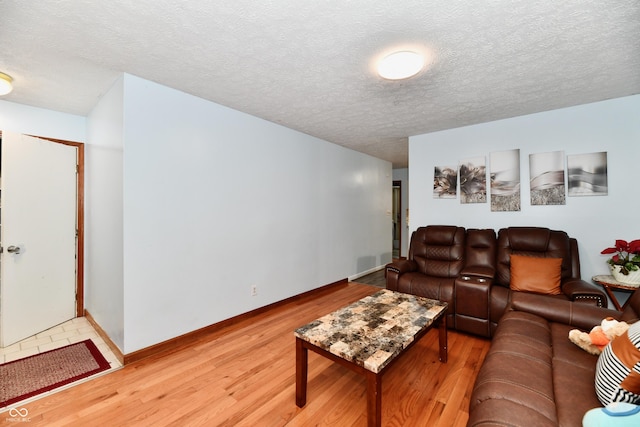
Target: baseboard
(199, 334)
(114, 348)
(364, 273)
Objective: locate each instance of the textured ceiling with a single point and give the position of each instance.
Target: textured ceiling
(308, 65)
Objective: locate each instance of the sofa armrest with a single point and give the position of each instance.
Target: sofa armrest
(401, 266)
(394, 270)
(581, 291)
(473, 306)
(582, 316)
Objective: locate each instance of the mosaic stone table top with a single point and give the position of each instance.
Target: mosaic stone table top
(374, 330)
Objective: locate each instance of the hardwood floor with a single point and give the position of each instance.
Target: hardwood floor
(244, 375)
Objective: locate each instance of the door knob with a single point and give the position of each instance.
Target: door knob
(13, 249)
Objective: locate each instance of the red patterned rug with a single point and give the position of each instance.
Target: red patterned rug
(46, 371)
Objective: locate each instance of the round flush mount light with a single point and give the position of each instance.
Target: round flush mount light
(400, 65)
(5, 84)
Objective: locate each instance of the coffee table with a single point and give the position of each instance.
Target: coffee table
(367, 337)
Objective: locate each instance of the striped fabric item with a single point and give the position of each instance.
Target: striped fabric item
(618, 369)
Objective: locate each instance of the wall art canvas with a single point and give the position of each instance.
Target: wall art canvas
(445, 182)
(587, 174)
(473, 180)
(546, 174)
(505, 180)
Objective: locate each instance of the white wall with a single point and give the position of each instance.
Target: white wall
(403, 176)
(612, 126)
(216, 201)
(104, 284)
(40, 122)
(188, 204)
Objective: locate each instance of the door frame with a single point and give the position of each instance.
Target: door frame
(79, 218)
(398, 184)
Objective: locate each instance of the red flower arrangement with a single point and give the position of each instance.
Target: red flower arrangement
(623, 255)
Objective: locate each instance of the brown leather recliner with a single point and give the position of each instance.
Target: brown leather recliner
(481, 298)
(436, 257)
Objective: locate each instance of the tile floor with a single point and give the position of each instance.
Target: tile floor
(72, 331)
(376, 279)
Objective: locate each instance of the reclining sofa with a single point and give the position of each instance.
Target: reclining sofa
(533, 375)
(472, 271)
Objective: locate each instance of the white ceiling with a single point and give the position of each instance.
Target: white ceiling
(308, 64)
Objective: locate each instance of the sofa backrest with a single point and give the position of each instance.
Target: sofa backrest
(480, 255)
(535, 242)
(438, 250)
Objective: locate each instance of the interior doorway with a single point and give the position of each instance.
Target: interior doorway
(42, 227)
(396, 213)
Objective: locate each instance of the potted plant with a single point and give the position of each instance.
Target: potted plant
(625, 263)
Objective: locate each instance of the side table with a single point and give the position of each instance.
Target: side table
(610, 284)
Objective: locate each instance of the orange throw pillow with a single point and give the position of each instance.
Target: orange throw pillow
(538, 275)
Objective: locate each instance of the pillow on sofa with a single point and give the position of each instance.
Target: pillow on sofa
(539, 275)
(618, 369)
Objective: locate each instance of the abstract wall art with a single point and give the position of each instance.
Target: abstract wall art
(445, 182)
(473, 180)
(587, 174)
(505, 180)
(546, 175)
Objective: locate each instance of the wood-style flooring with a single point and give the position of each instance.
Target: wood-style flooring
(244, 375)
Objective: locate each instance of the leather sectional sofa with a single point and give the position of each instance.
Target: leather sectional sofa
(471, 270)
(532, 375)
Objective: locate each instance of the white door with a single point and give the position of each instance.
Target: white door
(38, 235)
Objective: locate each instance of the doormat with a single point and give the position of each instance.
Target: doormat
(28, 377)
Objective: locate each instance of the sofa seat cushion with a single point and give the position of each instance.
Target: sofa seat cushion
(573, 377)
(504, 412)
(533, 376)
(516, 375)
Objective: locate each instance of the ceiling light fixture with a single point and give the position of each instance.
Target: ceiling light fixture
(400, 65)
(5, 84)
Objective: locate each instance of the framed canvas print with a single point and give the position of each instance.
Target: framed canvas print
(587, 174)
(546, 178)
(445, 182)
(473, 180)
(505, 180)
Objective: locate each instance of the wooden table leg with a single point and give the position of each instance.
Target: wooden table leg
(612, 297)
(374, 399)
(302, 355)
(442, 334)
